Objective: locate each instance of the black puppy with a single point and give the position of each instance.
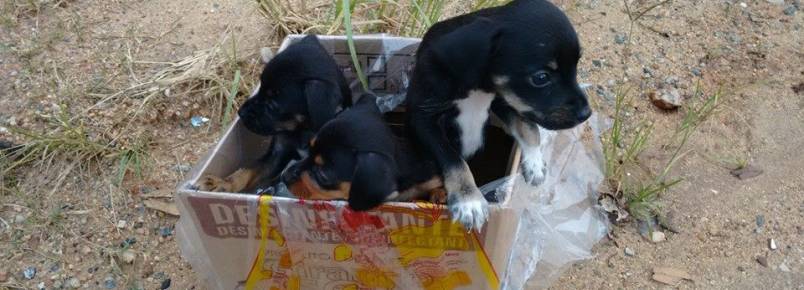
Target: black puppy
(356, 157)
(300, 89)
(517, 61)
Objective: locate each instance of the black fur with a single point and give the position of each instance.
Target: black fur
(359, 148)
(301, 88)
(525, 53)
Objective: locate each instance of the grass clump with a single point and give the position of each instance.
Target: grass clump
(639, 193)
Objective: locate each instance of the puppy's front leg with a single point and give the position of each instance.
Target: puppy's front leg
(464, 199)
(284, 148)
(532, 165)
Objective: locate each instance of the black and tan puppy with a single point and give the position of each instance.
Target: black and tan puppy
(356, 157)
(517, 62)
(300, 89)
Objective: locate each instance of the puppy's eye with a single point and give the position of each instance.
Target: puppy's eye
(539, 79)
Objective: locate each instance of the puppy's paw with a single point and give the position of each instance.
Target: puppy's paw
(212, 183)
(533, 168)
(469, 208)
(438, 196)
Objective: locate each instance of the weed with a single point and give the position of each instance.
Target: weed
(623, 145)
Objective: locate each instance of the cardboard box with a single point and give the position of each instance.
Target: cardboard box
(242, 241)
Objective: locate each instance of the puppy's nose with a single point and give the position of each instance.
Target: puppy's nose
(584, 113)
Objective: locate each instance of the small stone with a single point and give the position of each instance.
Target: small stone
(671, 80)
(58, 285)
(165, 284)
(696, 72)
(18, 219)
(128, 242)
(40, 286)
(110, 283)
(760, 220)
(29, 273)
(597, 62)
(747, 172)
(784, 268)
(620, 38)
(128, 256)
(762, 260)
(742, 4)
(121, 224)
(777, 2)
(182, 168)
(86, 250)
(73, 283)
(3, 275)
(657, 237)
(166, 232)
(790, 10)
(629, 252)
(667, 100)
(772, 244)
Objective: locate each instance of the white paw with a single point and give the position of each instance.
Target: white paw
(468, 208)
(533, 168)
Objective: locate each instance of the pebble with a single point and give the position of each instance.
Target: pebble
(671, 80)
(760, 220)
(121, 224)
(85, 250)
(772, 244)
(165, 284)
(73, 283)
(40, 286)
(784, 268)
(762, 261)
(58, 285)
(657, 237)
(3, 275)
(182, 168)
(777, 2)
(29, 273)
(266, 54)
(18, 219)
(666, 100)
(128, 256)
(597, 62)
(110, 283)
(620, 38)
(790, 10)
(629, 252)
(166, 232)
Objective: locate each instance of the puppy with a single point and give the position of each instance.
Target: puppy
(300, 89)
(517, 62)
(356, 157)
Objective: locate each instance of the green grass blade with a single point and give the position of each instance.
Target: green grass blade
(347, 24)
(230, 100)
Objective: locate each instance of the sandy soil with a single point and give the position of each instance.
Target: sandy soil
(64, 219)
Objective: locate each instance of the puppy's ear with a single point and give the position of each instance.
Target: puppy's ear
(373, 181)
(465, 52)
(322, 102)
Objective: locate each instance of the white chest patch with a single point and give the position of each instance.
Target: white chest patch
(472, 117)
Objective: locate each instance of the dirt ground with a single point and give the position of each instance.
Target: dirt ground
(63, 218)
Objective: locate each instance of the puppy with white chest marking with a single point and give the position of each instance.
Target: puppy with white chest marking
(300, 89)
(515, 62)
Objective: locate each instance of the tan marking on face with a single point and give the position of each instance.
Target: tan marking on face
(312, 141)
(308, 188)
(419, 191)
(318, 160)
(552, 65)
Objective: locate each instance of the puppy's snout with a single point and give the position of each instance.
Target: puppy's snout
(583, 113)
